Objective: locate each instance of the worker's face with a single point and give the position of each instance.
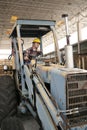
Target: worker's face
(36, 45)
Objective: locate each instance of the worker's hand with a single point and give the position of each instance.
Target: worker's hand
(26, 58)
(33, 61)
(39, 53)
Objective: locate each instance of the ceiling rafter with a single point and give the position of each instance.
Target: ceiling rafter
(41, 5)
(38, 9)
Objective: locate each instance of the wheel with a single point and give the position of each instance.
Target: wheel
(8, 100)
(12, 123)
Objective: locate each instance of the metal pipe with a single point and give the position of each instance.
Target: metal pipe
(16, 54)
(79, 35)
(24, 91)
(57, 51)
(68, 47)
(53, 111)
(79, 39)
(66, 28)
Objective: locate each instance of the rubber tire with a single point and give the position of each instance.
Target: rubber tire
(12, 124)
(8, 99)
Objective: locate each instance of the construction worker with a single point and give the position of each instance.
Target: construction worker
(32, 53)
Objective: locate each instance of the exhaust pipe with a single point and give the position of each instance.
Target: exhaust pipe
(68, 47)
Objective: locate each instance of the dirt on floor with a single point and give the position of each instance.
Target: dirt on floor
(28, 121)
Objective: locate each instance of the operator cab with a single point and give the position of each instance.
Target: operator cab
(32, 28)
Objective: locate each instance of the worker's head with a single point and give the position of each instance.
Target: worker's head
(36, 43)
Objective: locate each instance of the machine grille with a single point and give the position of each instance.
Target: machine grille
(75, 77)
(77, 98)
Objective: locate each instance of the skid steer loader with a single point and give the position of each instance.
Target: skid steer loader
(55, 95)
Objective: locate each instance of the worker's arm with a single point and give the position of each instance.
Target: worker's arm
(26, 56)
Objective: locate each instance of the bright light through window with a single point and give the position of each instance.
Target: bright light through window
(62, 42)
(84, 33)
(73, 38)
(4, 53)
(48, 49)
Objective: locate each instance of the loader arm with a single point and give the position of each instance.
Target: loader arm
(42, 100)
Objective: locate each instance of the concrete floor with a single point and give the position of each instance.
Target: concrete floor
(29, 122)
